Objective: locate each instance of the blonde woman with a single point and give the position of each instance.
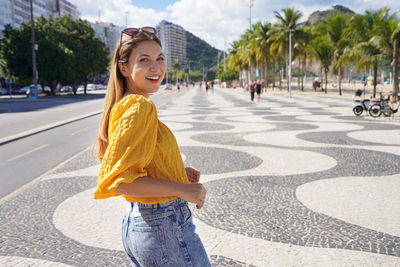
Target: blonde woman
(140, 160)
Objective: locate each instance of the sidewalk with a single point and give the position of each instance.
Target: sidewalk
(290, 183)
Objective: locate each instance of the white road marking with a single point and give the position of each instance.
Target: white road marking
(26, 153)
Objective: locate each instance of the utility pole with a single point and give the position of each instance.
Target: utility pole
(250, 6)
(290, 62)
(34, 70)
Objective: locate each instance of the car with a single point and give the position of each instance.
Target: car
(91, 87)
(66, 88)
(24, 90)
(81, 88)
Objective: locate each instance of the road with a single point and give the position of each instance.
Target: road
(66, 126)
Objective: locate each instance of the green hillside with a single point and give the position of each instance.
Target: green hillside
(199, 52)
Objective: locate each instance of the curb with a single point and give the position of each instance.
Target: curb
(47, 127)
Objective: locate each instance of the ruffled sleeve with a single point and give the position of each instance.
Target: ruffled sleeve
(132, 139)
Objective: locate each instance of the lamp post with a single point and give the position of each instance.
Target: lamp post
(290, 62)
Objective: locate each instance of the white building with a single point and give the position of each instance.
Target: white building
(14, 12)
(173, 40)
(108, 33)
(61, 8)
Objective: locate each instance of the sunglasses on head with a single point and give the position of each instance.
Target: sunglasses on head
(134, 31)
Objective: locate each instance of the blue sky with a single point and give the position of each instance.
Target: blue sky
(219, 22)
(157, 5)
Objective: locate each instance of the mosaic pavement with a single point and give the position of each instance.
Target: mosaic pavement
(291, 182)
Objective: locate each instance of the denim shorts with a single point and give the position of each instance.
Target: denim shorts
(162, 234)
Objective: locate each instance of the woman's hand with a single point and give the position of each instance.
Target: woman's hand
(194, 193)
(193, 174)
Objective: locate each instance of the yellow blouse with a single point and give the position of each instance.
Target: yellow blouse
(138, 145)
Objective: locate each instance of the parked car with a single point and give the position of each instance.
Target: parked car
(91, 87)
(100, 86)
(66, 88)
(81, 88)
(24, 89)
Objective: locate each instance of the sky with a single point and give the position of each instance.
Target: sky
(218, 22)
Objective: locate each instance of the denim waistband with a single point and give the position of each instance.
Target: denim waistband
(158, 205)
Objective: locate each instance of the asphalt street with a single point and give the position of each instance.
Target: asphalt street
(37, 135)
(291, 182)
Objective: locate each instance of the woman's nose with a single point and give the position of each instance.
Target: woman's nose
(154, 65)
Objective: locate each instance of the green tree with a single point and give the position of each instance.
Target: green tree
(364, 49)
(323, 49)
(337, 26)
(176, 67)
(387, 39)
(68, 51)
(287, 21)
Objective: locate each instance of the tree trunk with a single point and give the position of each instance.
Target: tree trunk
(322, 78)
(394, 62)
(266, 76)
(273, 75)
(340, 80)
(375, 78)
(280, 78)
(298, 75)
(85, 80)
(326, 80)
(303, 73)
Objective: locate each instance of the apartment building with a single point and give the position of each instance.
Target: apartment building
(14, 12)
(173, 40)
(108, 33)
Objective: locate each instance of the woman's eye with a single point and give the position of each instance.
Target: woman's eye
(143, 60)
(160, 59)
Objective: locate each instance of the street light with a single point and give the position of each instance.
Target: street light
(290, 62)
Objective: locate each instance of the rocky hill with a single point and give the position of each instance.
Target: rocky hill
(323, 15)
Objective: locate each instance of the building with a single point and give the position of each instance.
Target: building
(61, 8)
(14, 12)
(108, 33)
(173, 40)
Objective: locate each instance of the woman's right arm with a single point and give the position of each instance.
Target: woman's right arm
(152, 187)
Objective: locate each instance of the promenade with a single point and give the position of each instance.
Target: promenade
(291, 182)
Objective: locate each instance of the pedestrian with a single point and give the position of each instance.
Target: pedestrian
(252, 90)
(207, 86)
(258, 90)
(140, 160)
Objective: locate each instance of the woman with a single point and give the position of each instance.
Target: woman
(140, 160)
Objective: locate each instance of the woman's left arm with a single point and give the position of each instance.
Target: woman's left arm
(193, 174)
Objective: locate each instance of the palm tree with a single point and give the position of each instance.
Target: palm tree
(365, 48)
(304, 51)
(387, 39)
(260, 46)
(175, 66)
(280, 31)
(323, 49)
(336, 31)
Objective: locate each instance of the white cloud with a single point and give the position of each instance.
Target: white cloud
(118, 12)
(213, 20)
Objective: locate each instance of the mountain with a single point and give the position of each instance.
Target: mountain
(199, 52)
(317, 16)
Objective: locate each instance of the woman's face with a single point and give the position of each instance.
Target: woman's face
(145, 69)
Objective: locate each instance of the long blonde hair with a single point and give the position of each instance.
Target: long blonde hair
(117, 86)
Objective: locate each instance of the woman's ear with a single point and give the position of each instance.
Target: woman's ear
(123, 68)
